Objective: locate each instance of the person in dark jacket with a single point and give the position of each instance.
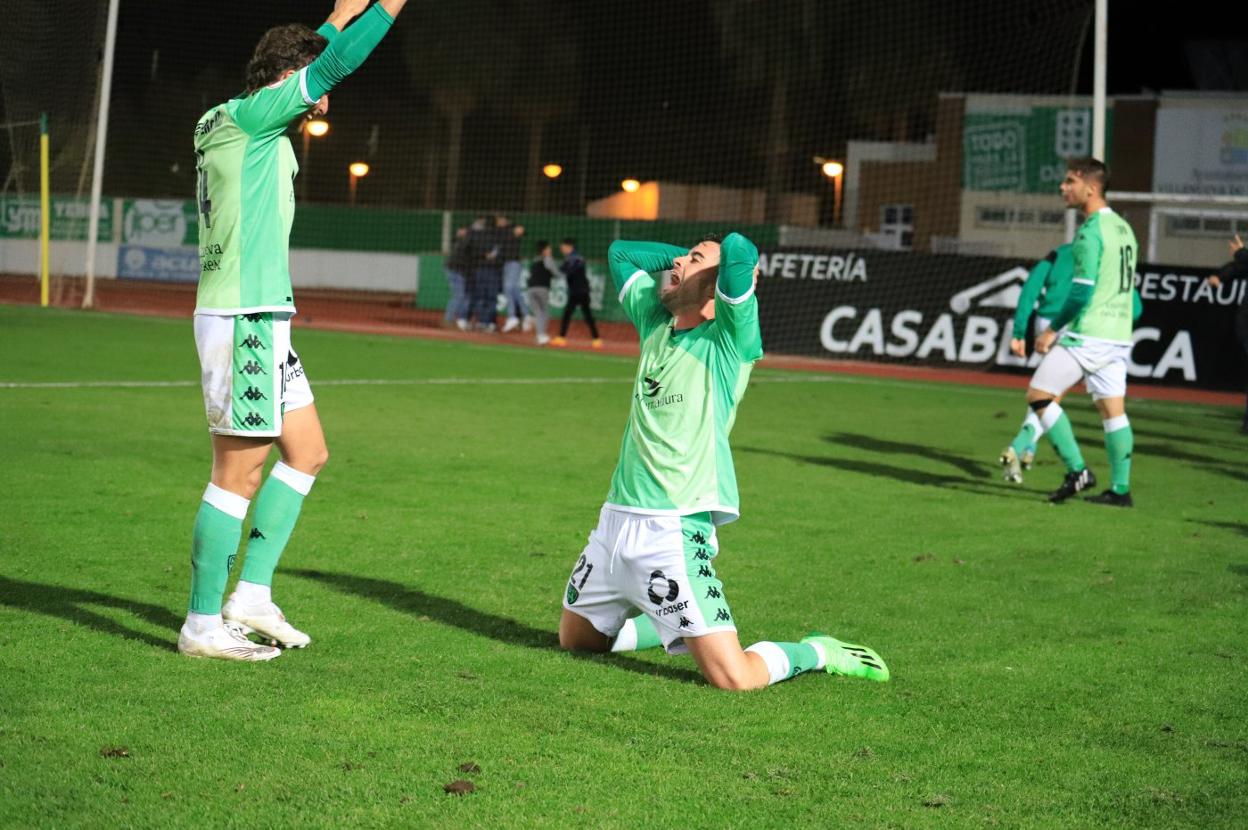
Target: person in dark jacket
(510, 236)
(1237, 269)
(486, 247)
(574, 272)
(540, 272)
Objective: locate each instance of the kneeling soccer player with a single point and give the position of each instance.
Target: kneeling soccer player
(655, 543)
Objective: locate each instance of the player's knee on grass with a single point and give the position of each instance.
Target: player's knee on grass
(577, 634)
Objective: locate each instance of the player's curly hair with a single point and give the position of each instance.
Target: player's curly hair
(292, 46)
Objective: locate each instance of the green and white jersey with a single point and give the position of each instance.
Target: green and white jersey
(674, 457)
(246, 170)
(1105, 254)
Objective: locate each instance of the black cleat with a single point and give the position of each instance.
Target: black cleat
(1112, 499)
(1074, 483)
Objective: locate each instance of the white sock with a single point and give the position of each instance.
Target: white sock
(823, 655)
(1050, 415)
(1033, 420)
(626, 640)
(777, 661)
(203, 623)
(1116, 423)
(251, 594)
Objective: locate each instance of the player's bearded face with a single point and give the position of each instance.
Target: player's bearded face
(1075, 190)
(693, 278)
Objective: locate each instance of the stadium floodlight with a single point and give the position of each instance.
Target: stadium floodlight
(358, 170)
(630, 185)
(835, 172)
(316, 127)
(552, 171)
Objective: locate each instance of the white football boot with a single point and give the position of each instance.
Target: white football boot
(225, 643)
(265, 619)
(1011, 470)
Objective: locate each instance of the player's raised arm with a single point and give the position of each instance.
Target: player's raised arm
(626, 259)
(348, 52)
(274, 99)
(737, 260)
(344, 12)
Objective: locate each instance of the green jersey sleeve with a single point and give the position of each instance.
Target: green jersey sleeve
(633, 265)
(736, 306)
(1087, 250)
(267, 112)
(1031, 293)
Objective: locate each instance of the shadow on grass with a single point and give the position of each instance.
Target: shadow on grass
(879, 445)
(905, 474)
(68, 604)
(1239, 527)
(504, 629)
(1238, 475)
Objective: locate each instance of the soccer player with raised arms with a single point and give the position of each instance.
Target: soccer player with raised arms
(255, 390)
(655, 544)
(1098, 316)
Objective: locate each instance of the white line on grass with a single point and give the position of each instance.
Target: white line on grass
(853, 380)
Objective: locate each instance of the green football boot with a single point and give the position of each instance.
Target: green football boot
(849, 660)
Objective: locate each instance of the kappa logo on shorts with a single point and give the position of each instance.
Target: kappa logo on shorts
(251, 367)
(702, 555)
(685, 622)
(254, 394)
(256, 534)
(660, 589)
(713, 593)
(253, 419)
(705, 572)
(722, 615)
(252, 342)
(698, 538)
(253, 318)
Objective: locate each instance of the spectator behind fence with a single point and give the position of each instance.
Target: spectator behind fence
(540, 272)
(513, 273)
(1237, 269)
(486, 249)
(457, 265)
(578, 293)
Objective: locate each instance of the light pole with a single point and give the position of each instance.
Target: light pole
(358, 170)
(835, 171)
(312, 128)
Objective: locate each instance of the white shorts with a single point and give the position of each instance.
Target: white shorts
(660, 565)
(1101, 365)
(250, 373)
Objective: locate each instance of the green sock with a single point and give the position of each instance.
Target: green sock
(1057, 427)
(785, 660)
(214, 544)
(1119, 441)
(638, 634)
(1025, 439)
(277, 510)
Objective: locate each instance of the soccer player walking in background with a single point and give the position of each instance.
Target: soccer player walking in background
(255, 390)
(655, 542)
(1098, 315)
(1048, 282)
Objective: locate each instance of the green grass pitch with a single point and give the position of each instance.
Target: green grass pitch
(1070, 666)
